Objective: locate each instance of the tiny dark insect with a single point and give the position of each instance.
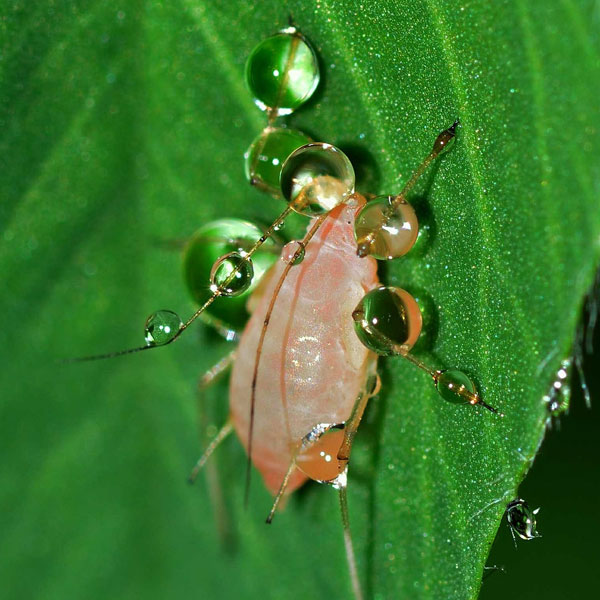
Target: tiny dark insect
(522, 520)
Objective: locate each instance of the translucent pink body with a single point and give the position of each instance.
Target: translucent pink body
(312, 365)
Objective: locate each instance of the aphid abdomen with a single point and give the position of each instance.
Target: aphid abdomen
(312, 366)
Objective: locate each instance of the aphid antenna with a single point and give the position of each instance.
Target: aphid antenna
(342, 486)
(217, 291)
(442, 143)
(301, 248)
(274, 112)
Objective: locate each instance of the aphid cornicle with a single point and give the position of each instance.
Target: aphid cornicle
(305, 366)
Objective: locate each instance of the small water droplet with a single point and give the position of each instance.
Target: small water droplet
(385, 230)
(454, 386)
(288, 253)
(161, 327)
(232, 274)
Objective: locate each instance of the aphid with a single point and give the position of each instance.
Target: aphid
(522, 520)
(305, 366)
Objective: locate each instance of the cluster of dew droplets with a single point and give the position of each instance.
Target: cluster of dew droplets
(282, 73)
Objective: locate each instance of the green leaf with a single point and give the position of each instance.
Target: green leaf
(126, 124)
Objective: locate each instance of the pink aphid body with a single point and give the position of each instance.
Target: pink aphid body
(312, 366)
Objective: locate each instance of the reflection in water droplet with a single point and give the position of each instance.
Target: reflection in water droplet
(232, 274)
(289, 252)
(161, 327)
(282, 72)
(387, 320)
(316, 178)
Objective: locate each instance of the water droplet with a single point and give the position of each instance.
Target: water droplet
(161, 327)
(385, 231)
(232, 274)
(317, 177)
(318, 456)
(522, 520)
(282, 72)
(557, 398)
(454, 386)
(387, 320)
(208, 244)
(267, 153)
(289, 251)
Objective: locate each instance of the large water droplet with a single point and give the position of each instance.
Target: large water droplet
(388, 321)
(282, 72)
(161, 327)
(385, 231)
(232, 274)
(316, 178)
(209, 243)
(268, 152)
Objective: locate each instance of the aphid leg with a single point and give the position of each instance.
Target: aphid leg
(442, 143)
(372, 387)
(301, 247)
(205, 381)
(222, 328)
(451, 384)
(214, 444)
(342, 486)
(215, 489)
(388, 321)
(170, 244)
(281, 490)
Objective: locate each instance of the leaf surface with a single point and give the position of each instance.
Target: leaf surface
(126, 125)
